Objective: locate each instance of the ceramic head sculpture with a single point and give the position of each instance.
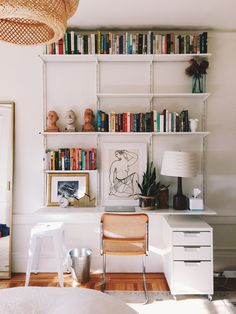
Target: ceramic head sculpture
(52, 118)
(70, 119)
(88, 121)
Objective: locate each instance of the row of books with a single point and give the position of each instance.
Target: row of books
(71, 159)
(153, 121)
(128, 43)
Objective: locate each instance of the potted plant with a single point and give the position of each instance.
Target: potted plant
(148, 188)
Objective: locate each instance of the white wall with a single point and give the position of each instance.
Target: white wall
(21, 81)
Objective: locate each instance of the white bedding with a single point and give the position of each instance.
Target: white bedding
(50, 300)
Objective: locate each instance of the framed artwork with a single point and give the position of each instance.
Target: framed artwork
(73, 186)
(123, 165)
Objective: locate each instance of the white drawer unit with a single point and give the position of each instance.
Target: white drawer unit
(188, 257)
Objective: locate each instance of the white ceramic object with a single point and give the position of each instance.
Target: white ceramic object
(193, 124)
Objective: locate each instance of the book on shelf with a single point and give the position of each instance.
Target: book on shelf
(129, 42)
(71, 159)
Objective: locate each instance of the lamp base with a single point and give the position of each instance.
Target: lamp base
(180, 202)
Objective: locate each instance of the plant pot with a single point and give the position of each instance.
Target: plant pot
(198, 83)
(147, 202)
(162, 199)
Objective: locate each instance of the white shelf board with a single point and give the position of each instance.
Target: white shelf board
(68, 58)
(203, 96)
(68, 133)
(124, 95)
(171, 211)
(123, 58)
(70, 171)
(124, 133)
(180, 133)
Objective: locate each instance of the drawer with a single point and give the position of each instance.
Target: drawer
(198, 253)
(193, 277)
(192, 238)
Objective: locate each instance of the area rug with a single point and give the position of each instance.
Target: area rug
(163, 303)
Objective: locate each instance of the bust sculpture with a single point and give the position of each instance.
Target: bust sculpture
(52, 118)
(70, 119)
(88, 121)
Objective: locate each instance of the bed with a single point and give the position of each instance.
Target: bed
(51, 300)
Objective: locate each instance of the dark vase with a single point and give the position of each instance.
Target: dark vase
(163, 199)
(198, 83)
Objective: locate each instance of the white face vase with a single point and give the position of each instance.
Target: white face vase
(70, 117)
(193, 124)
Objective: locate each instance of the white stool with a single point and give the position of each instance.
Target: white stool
(54, 230)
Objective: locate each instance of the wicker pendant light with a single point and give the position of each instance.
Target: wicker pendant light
(32, 22)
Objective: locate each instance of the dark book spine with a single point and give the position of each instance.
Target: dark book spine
(148, 123)
(96, 43)
(151, 43)
(140, 43)
(106, 122)
(85, 44)
(185, 121)
(187, 44)
(204, 42)
(168, 43)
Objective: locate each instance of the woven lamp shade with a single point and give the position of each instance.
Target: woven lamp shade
(32, 22)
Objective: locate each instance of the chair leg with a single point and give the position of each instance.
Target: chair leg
(37, 254)
(144, 279)
(57, 249)
(31, 255)
(104, 273)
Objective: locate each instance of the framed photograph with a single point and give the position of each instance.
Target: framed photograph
(70, 185)
(123, 165)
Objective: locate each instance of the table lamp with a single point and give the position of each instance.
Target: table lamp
(182, 165)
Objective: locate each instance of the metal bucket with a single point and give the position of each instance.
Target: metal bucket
(80, 264)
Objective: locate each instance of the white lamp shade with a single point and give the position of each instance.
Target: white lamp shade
(179, 164)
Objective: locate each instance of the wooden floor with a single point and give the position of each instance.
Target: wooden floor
(115, 281)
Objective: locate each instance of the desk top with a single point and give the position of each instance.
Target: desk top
(100, 209)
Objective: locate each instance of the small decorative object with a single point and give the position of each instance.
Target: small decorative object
(163, 197)
(52, 118)
(195, 202)
(63, 201)
(85, 201)
(88, 121)
(179, 164)
(198, 72)
(30, 22)
(70, 119)
(193, 123)
(149, 188)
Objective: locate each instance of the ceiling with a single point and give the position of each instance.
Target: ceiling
(156, 14)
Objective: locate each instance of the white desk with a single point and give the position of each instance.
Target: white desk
(82, 228)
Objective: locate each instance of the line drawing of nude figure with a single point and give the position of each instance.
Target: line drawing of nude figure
(123, 182)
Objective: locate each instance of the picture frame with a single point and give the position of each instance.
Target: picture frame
(122, 166)
(71, 185)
